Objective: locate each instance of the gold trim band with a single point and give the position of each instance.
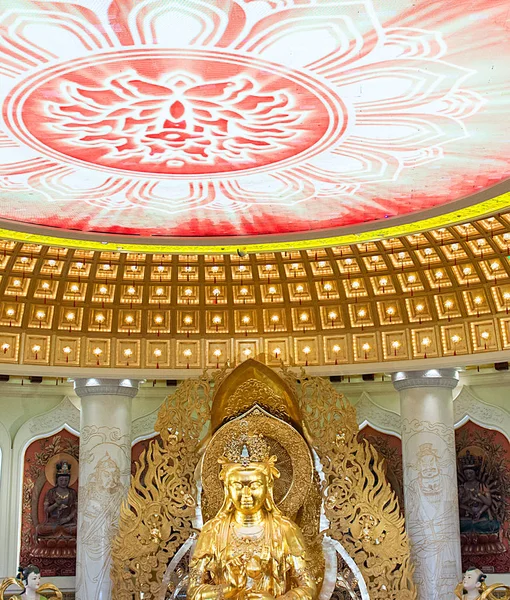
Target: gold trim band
(496, 204)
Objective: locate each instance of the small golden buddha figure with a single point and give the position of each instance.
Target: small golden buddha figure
(250, 550)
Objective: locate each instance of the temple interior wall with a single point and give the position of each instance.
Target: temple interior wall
(30, 411)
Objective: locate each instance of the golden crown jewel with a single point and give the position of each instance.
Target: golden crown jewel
(244, 448)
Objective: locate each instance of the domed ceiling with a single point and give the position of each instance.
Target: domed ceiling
(423, 299)
(249, 118)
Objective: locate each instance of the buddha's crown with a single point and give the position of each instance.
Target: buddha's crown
(244, 448)
(470, 462)
(63, 468)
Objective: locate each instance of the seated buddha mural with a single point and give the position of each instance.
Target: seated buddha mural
(250, 549)
(55, 535)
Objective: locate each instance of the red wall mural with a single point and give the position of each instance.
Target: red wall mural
(390, 448)
(49, 504)
(483, 470)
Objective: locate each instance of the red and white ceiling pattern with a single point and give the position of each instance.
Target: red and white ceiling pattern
(247, 117)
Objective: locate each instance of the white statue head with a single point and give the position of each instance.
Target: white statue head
(473, 579)
(32, 577)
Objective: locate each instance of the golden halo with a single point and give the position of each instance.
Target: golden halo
(51, 468)
(294, 461)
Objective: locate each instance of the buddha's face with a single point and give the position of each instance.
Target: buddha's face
(470, 581)
(470, 475)
(33, 581)
(247, 487)
(63, 481)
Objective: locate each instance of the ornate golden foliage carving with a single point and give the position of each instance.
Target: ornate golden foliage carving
(157, 517)
(251, 383)
(360, 505)
(363, 512)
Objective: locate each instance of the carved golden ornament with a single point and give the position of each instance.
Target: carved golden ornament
(359, 503)
(244, 448)
(249, 384)
(293, 461)
(48, 590)
(156, 521)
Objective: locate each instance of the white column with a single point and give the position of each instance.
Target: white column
(105, 464)
(430, 479)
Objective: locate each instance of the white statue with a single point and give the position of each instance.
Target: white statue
(473, 587)
(31, 588)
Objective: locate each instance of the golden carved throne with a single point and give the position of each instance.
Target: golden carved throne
(332, 485)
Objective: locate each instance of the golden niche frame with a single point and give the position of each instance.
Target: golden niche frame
(158, 520)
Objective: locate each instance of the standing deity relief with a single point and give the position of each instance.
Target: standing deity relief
(102, 490)
(432, 508)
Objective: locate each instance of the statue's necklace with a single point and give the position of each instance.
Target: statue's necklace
(247, 540)
(63, 496)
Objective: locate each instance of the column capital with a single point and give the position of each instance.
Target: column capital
(93, 386)
(445, 378)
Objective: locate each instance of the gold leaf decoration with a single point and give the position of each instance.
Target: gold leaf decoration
(360, 505)
(363, 512)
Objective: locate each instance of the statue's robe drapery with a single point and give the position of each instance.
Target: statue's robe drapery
(285, 568)
(60, 518)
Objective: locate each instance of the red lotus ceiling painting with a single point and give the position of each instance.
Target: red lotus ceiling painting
(247, 117)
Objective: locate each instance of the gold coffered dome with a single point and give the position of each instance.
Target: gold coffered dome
(435, 294)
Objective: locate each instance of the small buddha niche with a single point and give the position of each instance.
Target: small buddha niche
(55, 535)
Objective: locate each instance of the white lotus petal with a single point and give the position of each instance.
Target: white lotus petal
(62, 32)
(9, 155)
(178, 24)
(396, 85)
(316, 36)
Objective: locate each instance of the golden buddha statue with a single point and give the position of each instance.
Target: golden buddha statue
(289, 506)
(250, 550)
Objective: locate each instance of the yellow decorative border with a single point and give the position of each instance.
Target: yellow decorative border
(496, 204)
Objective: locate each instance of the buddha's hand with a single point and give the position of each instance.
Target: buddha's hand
(236, 576)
